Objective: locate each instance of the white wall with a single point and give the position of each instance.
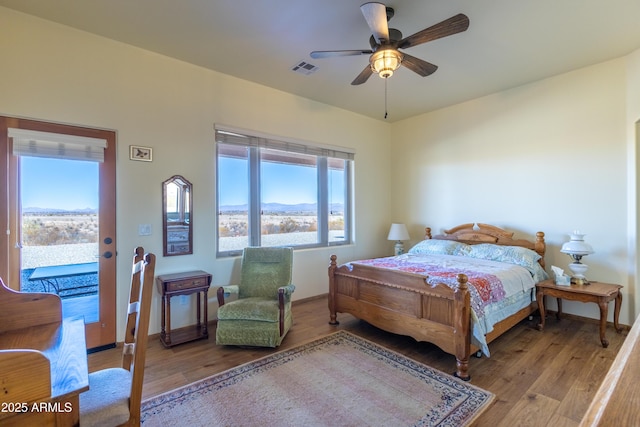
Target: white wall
(549, 156)
(54, 73)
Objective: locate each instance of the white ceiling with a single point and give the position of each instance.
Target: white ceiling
(508, 42)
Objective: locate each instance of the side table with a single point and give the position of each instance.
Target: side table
(597, 292)
(186, 283)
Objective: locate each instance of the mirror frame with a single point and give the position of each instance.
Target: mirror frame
(178, 248)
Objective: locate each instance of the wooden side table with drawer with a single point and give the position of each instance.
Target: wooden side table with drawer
(597, 292)
(187, 283)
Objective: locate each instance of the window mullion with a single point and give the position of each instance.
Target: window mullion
(254, 196)
(323, 201)
(348, 194)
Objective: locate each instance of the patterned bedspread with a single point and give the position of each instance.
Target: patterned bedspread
(497, 289)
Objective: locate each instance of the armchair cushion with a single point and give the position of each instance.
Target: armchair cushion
(264, 270)
(254, 308)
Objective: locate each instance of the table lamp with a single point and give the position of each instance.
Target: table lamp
(576, 247)
(398, 232)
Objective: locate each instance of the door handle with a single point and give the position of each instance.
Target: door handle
(107, 254)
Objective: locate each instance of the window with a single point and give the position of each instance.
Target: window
(278, 193)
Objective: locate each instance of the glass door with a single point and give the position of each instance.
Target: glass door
(61, 219)
(60, 224)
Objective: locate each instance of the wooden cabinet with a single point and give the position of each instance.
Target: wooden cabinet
(170, 285)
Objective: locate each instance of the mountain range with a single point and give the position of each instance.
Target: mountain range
(50, 211)
(281, 207)
(269, 207)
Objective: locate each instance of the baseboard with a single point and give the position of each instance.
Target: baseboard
(313, 298)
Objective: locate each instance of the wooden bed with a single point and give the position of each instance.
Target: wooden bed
(404, 303)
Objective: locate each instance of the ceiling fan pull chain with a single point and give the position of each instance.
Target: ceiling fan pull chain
(385, 98)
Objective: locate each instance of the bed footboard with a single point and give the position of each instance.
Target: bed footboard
(405, 304)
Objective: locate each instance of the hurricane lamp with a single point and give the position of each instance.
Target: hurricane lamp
(576, 248)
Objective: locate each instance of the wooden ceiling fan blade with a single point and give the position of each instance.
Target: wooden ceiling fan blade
(376, 16)
(455, 24)
(332, 53)
(418, 65)
(363, 76)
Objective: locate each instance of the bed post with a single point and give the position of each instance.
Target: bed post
(462, 326)
(540, 246)
(332, 291)
(427, 233)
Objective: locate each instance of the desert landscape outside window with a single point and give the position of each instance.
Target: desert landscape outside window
(273, 193)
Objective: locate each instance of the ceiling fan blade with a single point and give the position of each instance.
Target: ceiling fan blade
(376, 16)
(363, 76)
(331, 53)
(455, 24)
(417, 65)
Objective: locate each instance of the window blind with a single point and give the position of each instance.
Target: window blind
(227, 136)
(54, 145)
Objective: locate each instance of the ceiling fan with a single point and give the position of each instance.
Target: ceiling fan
(385, 57)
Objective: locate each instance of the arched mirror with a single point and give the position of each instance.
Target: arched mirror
(177, 218)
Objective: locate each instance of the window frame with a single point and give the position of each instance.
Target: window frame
(254, 143)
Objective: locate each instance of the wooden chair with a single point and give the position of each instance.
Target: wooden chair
(18, 308)
(115, 394)
(40, 359)
(24, 373)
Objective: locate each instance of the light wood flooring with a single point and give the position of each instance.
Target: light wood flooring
(539, 378)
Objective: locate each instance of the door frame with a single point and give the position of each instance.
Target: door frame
(98, 334)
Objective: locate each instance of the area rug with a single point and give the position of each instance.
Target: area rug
(337, 380)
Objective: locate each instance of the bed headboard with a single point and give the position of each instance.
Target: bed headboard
(475, 233)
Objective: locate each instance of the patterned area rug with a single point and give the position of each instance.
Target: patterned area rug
(338, 380)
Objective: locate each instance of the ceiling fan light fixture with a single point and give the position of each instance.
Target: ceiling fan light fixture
(385, 61)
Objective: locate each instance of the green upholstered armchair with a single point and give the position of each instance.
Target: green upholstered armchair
(261, 316)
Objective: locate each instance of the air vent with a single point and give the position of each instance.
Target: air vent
(303, 67)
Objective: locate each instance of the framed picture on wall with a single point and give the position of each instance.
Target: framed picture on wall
(143, 154)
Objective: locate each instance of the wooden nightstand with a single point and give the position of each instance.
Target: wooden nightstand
(597, 292)
(187, 283)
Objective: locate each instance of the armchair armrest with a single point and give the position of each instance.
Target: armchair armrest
(287, 290)
(225, 291)
(284, 295)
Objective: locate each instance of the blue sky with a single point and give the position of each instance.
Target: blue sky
(58, 184)
(281, 183)
(298, 183)
(73, 184)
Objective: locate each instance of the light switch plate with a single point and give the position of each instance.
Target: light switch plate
(144, 229)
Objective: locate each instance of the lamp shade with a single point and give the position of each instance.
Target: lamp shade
(398, 232)
(576, 245)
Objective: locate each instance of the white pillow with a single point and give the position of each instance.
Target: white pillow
(438, 247)
(511, 254)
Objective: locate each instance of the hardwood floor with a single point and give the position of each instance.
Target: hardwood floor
(539, 378)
